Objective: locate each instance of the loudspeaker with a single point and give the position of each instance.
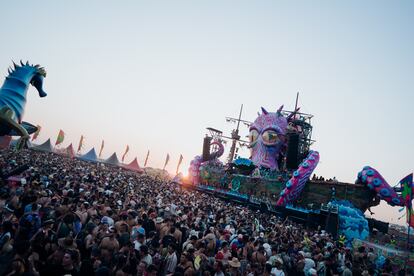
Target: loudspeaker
(206, 148)
(292, 155)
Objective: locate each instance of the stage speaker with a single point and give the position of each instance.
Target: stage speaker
(206, 148)
(292, 155)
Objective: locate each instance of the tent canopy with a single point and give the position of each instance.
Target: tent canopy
(46, 146)
(90, 156)
(133, 166)
(112, 160)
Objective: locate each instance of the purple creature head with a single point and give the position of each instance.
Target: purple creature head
(267, 136)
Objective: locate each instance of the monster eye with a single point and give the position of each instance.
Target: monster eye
(253, 135)
(270, 137)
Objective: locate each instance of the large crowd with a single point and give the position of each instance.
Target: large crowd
(64, 216)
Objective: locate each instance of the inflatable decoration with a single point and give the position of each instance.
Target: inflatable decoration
(374, 181)
(261, 175)
(197, 162)
(13, 100)
(352, 222)
(267, 138)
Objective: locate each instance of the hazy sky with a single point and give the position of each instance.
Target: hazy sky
(155, 74)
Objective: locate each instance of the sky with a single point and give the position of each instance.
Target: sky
(154, 74)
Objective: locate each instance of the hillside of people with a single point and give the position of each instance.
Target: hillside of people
(64, 216)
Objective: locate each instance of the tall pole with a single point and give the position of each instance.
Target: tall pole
(296, 103)
(235, 136)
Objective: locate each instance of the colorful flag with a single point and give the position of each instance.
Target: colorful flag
(146, 159)
(60, 138)
(166, 161)
(179, 163)
(407, 194)
(100, 151)
(80, 143)
(126, 151)
(34, 137)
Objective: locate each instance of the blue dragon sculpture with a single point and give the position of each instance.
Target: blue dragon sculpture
(13, 100)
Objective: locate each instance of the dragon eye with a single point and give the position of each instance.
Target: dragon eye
(253, 135)
(270, 137)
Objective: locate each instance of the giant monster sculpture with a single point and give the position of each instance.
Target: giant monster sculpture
(267, 139)
(13, 100)
(268, 142)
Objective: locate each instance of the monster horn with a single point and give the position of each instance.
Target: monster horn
(264, 111)
(291, 114)
(27, 63)
(15, 65)
(21, 63)
(279, 110)
(9, 70)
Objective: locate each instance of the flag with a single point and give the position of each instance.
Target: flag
(407, 195)
(146, 159)
(100, 151)
(60, 138)
(179, 163)
(34, 137)
(126, 151)
(166, 161)
(80, 143)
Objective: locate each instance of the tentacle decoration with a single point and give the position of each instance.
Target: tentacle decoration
(299, 178)
(375, 182)
(195, 164)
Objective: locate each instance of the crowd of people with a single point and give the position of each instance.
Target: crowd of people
(64, 216)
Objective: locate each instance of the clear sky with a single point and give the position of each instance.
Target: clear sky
(154, 74)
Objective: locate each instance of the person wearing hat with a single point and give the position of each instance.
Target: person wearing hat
(234, 265)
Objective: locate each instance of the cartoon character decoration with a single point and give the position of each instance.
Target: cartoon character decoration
(13, 100)
(267, 137)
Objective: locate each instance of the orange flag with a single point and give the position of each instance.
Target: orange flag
(126, 151)
(100, 151)
(146, 159)
(166, 161)
(179, 163)
(80, 143)
(34, 137)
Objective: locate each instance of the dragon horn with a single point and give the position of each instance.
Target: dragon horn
(27, 63)
(264, 111)
(15, 65)
(291, 114)
(21, 63)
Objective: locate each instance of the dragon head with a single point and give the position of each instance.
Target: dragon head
(267, 136)
(33, 74)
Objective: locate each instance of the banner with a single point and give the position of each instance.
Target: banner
(34, 137)
(407, 194)
(80, 143)
(146, 159)
(179, 163)
(126, 151)
(166, 161)
(100, 151)
(60, 138)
